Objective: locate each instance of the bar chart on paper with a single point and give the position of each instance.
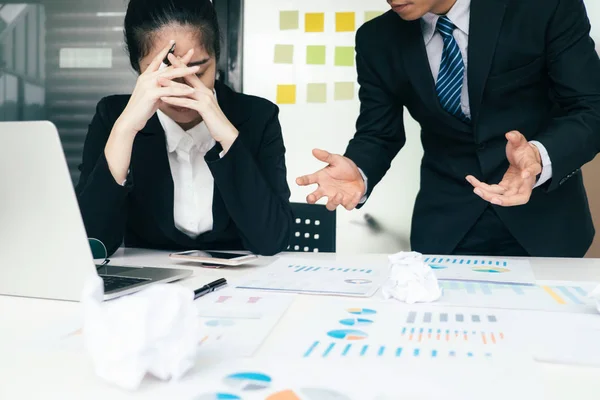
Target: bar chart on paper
(548, 296)
(236, 324)
(391, 332)
(304, 276)
(482, 269)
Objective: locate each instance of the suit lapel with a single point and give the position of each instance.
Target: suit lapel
(152, 174)
(484, 28)
(417, 67)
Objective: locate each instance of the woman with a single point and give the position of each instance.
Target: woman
(183, 162)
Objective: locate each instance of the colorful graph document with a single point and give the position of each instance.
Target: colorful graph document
(481, 269)
(358, 331)
(236, 323)
(278, 379)
(308, 276)
(545, 296)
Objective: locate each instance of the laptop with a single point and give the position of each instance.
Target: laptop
(44, 250)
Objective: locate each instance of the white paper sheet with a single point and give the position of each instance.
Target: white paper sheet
(546, 296)
(481, 269)
(312, 277)
(235, 323)
(356, 331)
(279, 379)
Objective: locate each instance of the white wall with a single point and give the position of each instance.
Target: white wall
(330, 125)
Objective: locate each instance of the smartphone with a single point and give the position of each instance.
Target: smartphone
(214, 257)
(166, 59)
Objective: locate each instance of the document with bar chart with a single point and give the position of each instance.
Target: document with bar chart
(236, 324)
(481, 269)
(311, 277)
(393, 331)
(545, 296)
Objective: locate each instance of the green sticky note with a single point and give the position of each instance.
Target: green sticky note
(284, 54)
(369, 15)
(315, 55)
(288, 20)
(316, 93)
(344, 91)
(344, 56)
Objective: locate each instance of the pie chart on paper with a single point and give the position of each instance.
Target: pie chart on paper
(356, 322)
(248, 381)
(491, 270)
(347, 334)
(361, 311)
(308, 394)
(218, 396)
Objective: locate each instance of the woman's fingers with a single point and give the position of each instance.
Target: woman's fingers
(178, 72)
(157, 60)
(173, 91)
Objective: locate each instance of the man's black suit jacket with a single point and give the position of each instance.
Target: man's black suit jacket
(251, 207)
(532, 67)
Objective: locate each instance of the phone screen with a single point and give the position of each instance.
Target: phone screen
(214, 254)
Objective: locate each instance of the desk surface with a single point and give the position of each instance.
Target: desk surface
(30, 372)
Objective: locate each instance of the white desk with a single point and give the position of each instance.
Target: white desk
(28, 372)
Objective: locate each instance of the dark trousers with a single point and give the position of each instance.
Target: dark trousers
(489, 237)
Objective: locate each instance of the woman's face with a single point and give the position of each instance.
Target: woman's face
(185, 39)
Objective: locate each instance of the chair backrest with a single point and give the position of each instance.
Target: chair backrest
(313, 229)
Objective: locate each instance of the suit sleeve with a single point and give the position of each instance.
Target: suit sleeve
(380, 126)
(101, 199)
(255, 190)
(573, 139)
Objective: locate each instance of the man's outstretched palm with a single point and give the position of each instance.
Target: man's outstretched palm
(340, 181)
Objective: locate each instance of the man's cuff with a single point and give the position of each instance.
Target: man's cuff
(546, 174)
(364, 198)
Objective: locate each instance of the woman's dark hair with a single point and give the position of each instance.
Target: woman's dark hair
(145, 17)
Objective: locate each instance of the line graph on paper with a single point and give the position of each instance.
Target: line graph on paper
(482, 269)
(549, 296)
(236, 324)
(308, 276)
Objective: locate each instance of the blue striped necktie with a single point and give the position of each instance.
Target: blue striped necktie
(450, 79)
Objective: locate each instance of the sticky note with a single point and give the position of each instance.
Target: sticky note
(344, 22)
(288, 20)
(343, 91)
(286, 94)
(369, 15)
(344, 56)
(314, 22)
(316, 93)
(284, 54)
(315, 55)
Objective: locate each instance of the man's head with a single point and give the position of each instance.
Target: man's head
(410, 10)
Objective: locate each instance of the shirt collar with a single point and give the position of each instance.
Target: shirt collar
(199, 134)
(459, 14)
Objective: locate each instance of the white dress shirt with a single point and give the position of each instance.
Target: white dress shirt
(460, 15)
(193, 181)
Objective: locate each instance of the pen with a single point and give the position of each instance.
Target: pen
(210, 287)
(166, 61)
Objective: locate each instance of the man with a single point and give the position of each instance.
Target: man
(505, 91)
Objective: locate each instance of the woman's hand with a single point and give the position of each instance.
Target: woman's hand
(146, 96)
(202, 100)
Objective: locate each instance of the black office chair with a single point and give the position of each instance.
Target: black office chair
(313, 229)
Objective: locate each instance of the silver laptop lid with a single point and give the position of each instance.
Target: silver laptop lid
(44, 250)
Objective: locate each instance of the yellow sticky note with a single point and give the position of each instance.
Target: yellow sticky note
(284, 54)
(344, 22)
(316, 93)
(288, 20)
(343, 91)
(314, 22)
(286, 94)
(369, 15)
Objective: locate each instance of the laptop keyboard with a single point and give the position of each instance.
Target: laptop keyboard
(112, 282)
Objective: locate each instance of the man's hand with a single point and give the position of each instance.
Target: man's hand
(518, 181)
(340, 181)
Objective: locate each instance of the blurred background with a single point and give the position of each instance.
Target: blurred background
(58, 58)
